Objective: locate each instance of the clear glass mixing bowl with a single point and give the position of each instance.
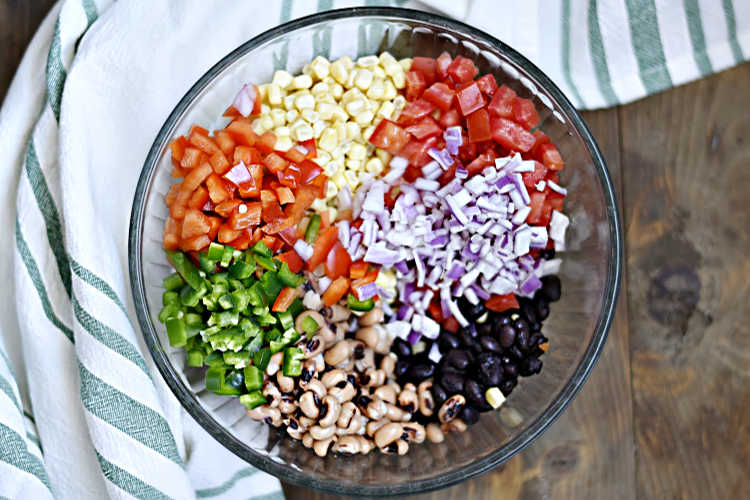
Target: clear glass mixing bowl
(577, 326)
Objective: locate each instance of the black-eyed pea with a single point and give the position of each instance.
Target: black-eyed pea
(366, 361)
(372, 317)
(337, 313)
(434, 433)
(270, 390)
(340, 333)
(347, 365)
(348, 411)
(309, 404)
(376, 409)
(413, 432)
(274, 364)
(312, 347)
(293, 428)
(309, 371)
(318, 432)
(372, 426)
(451, 408)
(287, 404)
(339, 353)
(343, 394)
(369, 335)
(321, 447)
(426, 400)
(330, 410)
(333, 377)
(455, 425)
(396, 414)
(316, 386)
(349, 445)
(307, 440)
(396, 387)
(372, 378)
(286, 384)
(408, 400)
(387, 434)
(409, 387)
(388, 364)
(365, 445)
(267, 414)
(386, 393)
(306, 422)
(328, 335)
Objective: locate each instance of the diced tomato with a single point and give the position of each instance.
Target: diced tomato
(320, 183)
(425, 65)
(242, 131)
(451, 325)
(196, 176)
(285, 299)
(266, 142)
(536, 215)
(257, 102)
(247, 155)
(338, 261)
(312, 150)
(231, 112)
(191, 157)
(242, 242)
(171, 236)
(336, 291)
(275, 163)
(427, 127)
(225, 141)
(487, 84)
(502, 102)
(177, 147)
(171, 195)
(195, 223)
(251, 216)
(271, 242)
(511, 135)
(285, 195)
(470, 98)
(252, 189)
(450, 118)
(178, 171)
(389, 136)
(215, 223)
(309, 171)
(414, 111)
(225, 208)
(500, 303)
(195, 244)
(293, 213)
(467, 152)
(525, 113)
(550, 156)
(481, 162)
(293, 260)
(200, 139)
(417, 152)
(293, 155)
(178, 207)
(412, 173)
(358, 269)
(552, 176)
(442, 64)
(539, 139)
(462, 70)
(440, 94)
(435, 311)
(227, 234)
(532, 178)
(216, 189)
(415, 85)
(554, 201)
(448, 175)
(198, 198)
(323, 244)
(478, 124)
(219, 163)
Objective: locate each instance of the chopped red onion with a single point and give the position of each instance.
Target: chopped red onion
(344, 232)
(303, 249)
(556, 187)
(457, 313)
(430, 328)
(344, 198)
(381, 255)
(461, 172)
(434, 354)
(426, 185)
(453, 139)
(239, 174)
(414, 337)
(480, 292)
(245, 100)
(558, 225)
(541, 185)
(398, 329)
(471, 296)
(367, 291)
(531, 284)
(324, 283)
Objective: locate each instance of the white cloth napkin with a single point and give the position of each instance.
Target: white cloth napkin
(83, 412)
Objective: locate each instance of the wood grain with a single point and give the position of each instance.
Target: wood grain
(687, 159)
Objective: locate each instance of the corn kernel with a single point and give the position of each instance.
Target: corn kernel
(292, 115)
(320, 67)
(378, 72)
(386, 109)
(302, 132)
(305, 101)
(384, 156)
(337, 91)
(329, 139)
(399, 80)
(374, 166)
(364, 118)
(352, 179)
(389, 90)
(332, 213)
(282, 78)
(399, 102)
(393, 68)
(283, 131)
(349, 83)
(266, 122)
(340, 114)
(376, 89)
(340, 127)
(307, 69)
(265, 109)
(367, 61)
(357, 152)
(322, 158)
(263, 90)
(405, 63)
(333, 167)
(494, 396)
(327, 97)
(319, 205)
(353, 165)
(353, 132)
(325, 110)
(368, 132)
(347, 62)
(386, 279)
(363, 78)
(386, 58)
(339, 71)
(310, 115)
(289, 101)
(339, 179)
(320, 89)
(257, 126)
(352, 94)
(355, 106)
(331, 190)
(278, 116)
(318, 127)
(302, 82)
(283, 143)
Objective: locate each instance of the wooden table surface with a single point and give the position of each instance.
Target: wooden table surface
(666, 411)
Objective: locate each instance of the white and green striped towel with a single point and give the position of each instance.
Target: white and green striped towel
(83, 412)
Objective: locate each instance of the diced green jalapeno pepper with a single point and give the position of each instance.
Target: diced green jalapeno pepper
(310, 326)
(272, 334)
(173, 282)
(215, 359)
(286, 320)
(226, 301)
(176, 331)
(220, 279)
(261, 358)
(261, 248)
(226, 256)
(215, 251)
(207, 265)
(252, 400)
(257, 295)
(266, 263)
(237, 359)
(312, 229)
(195, 357)
(255, 344)
(292, 365)
(271, 285)
(288, 278)
(192, 319)
(240, 269)
(170, 297)
(215, 378)
(359, 305)
(185, 268)
(253, 378)
(169, 311)
(190, 296)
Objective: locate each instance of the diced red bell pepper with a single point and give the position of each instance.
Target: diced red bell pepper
(414, 111)
(389, 136)
(293, 260)
(195, 243)
(525, 113)
(303, 198)
(511, 135)
(425, 65)
(285, 299)
(442, 64)
(502, 102)
(266, 142)
(215, 223)
(191, 157)
(337, 262)
(198, 198)
(250, 217)
(291, 177)
(415, 85)
(275, 163)
(487, 84)
(199, 138)
(428, 127)
(242, 242)
(242, 131)
(478, 125)
(309, 171)
(358, 269)
(293, 155)
(531, 179)
(247, 155)
(416, 151)
(177, 147)
(462, 70)
(285, 195)
(436, 312)
(440, 94)
(450, 118)
(336, 291)
(470, 98)
(323, 244)
(500, 303)
(312, 150)
(196, 176)
(550, 156)
(219, 163)
(178, 171)
(171, 195)
(225, 141)
(171, 235)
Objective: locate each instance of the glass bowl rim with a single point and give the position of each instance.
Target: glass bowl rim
(284, 472)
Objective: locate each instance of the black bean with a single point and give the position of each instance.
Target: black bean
(447, 341)
(531, 366)
(547, 253)
(510, 369)
(457, 358)
(421, 371)
(522, 340)
(551, 288)
(475, 395)
(469, 415)
(453, 382)
(507, 336)
(402, 366)
(535, 327)
(507, 386)
(515, 352)
(471, 311)
(468, 341)
(439, 394)
(528, 310)
(541, 305)
(501, 320)
(485, 328)
(401, 347)
(521, 324)
(535, 339)
(489, 369)
(490, 343)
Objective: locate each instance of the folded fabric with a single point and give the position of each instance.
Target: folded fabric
(83, 412)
